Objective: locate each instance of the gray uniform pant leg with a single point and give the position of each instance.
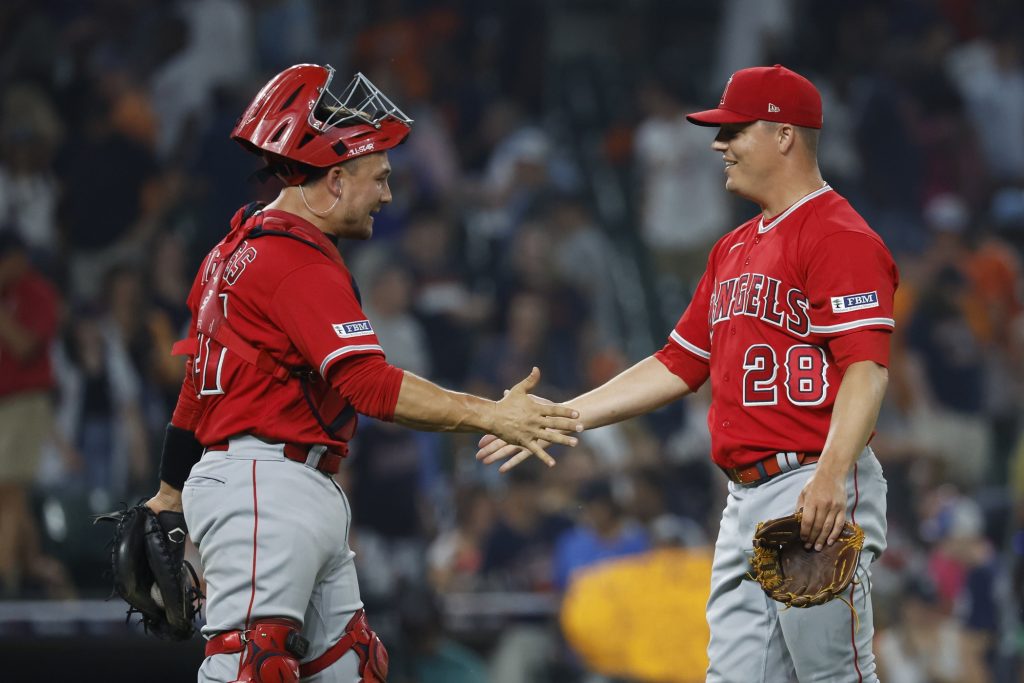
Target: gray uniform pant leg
(755, 639)
(272, 537)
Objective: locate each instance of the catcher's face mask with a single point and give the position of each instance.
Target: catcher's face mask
(297, 117)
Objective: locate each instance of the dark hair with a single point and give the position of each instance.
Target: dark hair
(597, 491)
(10, 240)
(313, 173)
(921, 588)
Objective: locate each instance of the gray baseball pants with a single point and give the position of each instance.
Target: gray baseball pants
(272, 536)
(757, 640)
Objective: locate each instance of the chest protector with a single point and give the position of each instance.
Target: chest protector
(329, 409)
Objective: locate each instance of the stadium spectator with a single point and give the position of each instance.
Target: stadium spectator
(29, 315)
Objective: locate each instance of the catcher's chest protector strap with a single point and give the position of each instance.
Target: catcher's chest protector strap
(271, 651)
(373, 658)
(211, 321)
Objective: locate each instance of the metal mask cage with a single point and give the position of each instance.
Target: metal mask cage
(360, 101)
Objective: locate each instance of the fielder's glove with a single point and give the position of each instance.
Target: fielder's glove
(798, 577)
(150, 572)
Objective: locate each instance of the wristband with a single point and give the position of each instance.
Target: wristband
(181, 451)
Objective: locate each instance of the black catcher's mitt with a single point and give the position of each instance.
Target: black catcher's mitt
(150, 572)
(803, 578)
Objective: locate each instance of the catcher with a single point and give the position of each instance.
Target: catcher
(281, 359)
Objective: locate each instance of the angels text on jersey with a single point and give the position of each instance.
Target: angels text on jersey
(760, 296)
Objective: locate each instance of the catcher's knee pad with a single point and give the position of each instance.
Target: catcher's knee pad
(271, 650)
(359, 637)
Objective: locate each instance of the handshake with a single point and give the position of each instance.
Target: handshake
(525, 424)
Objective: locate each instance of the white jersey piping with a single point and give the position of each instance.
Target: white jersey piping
(675, 336)
(347, 349)
(762, 228)
(852, 325)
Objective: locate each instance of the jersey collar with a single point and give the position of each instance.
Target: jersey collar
(762, 228)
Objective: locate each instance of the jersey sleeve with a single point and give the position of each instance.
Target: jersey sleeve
(369, 384)
(317, 308)
(687, 354)
(861, 345)
(851, 281)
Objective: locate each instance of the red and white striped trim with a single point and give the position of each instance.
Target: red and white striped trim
(355, 348)
(255, 546)
(696, 350)
(853, 586)
(852, 325)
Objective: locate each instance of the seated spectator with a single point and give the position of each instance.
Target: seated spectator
(456, 556)
(925, 645)
(602, 532)
(965, 567)
(518, 550)
(428, 655)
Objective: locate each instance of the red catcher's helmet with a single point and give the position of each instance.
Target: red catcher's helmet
(296, 119)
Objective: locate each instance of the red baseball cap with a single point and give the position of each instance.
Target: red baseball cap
(765, 93)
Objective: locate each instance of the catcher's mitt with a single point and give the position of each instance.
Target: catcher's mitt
(803, 578)
(150, 572)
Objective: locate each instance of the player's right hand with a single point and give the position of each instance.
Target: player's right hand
(524, 421)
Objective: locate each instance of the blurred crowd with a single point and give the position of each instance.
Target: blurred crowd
(517, 237)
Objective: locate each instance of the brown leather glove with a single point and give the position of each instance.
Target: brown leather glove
(798, 577)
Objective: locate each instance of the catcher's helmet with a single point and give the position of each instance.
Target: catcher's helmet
(296, 119)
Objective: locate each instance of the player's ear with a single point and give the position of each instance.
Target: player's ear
(786, 137)
(336, 178)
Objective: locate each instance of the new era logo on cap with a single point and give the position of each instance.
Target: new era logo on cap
(765, 93)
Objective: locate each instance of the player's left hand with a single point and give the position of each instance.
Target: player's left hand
(823, 500)
(492, 449)
(534, 423)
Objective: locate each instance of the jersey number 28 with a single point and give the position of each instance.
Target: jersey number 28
(805, 380)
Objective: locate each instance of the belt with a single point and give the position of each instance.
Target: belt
(317, 457)
(772, 465)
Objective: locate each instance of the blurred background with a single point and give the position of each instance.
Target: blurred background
(552, 207)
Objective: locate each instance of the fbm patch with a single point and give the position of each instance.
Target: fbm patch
(358, 328)
(854, 302)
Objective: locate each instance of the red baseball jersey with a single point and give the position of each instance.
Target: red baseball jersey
(298, 303)
(779, 304)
